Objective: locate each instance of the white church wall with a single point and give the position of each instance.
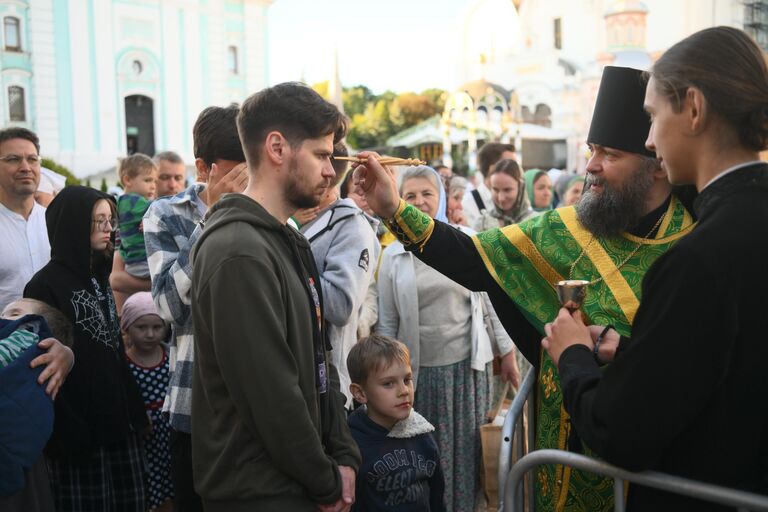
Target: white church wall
(255, 47)
(45, 113)
(83, 92)
(173, 82)
(80, 54)
(107, 115)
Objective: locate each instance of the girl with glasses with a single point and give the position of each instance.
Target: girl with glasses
(95, 458)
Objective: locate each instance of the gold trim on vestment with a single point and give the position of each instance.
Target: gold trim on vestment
(396, 218)
(427, 235)
(686, 227)
(522, 243)
(622, 292)
(687, 219)
(667, 220)
(487, 262)
(397, 224)
(562, 472)
(654, 241)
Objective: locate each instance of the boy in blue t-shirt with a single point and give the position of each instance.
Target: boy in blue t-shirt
(401, 464)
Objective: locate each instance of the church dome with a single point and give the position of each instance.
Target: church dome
(626, 6)
(478, 89)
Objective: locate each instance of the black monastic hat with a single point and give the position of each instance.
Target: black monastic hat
(619, 120)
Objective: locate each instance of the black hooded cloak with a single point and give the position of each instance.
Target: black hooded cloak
(99, 403)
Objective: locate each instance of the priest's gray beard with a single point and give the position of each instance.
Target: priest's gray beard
(619, 207)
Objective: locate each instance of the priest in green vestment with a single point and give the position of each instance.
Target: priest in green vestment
(628, 216)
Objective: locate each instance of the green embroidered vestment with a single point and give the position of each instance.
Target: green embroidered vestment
(526, 260)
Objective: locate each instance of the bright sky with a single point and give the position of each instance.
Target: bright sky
(401, 45)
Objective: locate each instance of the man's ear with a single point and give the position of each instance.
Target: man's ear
(276, 148)
(696, 109)
(202, 170)
(358, 393)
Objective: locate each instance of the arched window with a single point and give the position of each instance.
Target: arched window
(16, 107)
(527, 114)
(12, 34)
(543, 115)
(232, 59)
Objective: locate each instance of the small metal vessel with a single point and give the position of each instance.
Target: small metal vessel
(572, 293)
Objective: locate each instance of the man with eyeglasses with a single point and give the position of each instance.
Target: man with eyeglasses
(25, 248)
(24, 251)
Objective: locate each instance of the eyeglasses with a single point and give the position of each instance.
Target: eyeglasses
(16, 160)
(103, 223)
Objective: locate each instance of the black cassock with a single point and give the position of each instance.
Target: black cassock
(689, 393)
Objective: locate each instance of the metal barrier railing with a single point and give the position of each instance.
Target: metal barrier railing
(516, 431)
(744, 501)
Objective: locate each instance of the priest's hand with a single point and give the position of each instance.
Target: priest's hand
(567, 329)
(377, 183)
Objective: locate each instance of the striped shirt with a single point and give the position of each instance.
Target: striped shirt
(15, 344)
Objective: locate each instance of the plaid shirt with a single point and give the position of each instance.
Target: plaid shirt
(171, 227)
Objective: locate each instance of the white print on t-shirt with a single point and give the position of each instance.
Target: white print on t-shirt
(406, 485)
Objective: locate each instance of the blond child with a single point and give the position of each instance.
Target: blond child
(401, 464)
(138, 177)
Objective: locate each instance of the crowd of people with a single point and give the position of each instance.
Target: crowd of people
(287, 333)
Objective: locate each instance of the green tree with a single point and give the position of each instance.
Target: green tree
(103, 187)
(356, 99)
(373, 127)
(60, 169)
(88, 182)
(375, 118)
(438, 97)
(409, 109)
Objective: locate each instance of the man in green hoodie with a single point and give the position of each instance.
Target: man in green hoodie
(269, 430)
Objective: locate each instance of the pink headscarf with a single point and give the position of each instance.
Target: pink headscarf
(138, 305)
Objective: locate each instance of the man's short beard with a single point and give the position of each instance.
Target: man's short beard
(617, 208)
(295, 193)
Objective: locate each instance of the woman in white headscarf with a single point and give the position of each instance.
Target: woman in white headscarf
(451, 334)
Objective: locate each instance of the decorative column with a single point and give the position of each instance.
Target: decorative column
(472, 141)
(445, 128)
(516, 115)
